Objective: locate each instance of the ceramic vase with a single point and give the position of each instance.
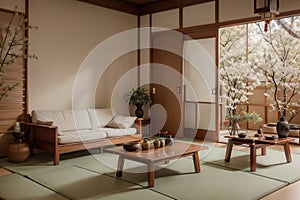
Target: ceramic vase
(282, 127)
(169, 140)
(156, 143)
(139, 113)
(145, 144)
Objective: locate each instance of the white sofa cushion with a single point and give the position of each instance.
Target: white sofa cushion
(121, 122)
(81, 136)
(115, 132)
(100, 117)
(66, 120)
(82, 119)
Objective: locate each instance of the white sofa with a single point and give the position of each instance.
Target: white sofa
(62, 131)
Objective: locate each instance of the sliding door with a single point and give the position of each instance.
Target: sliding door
(200, 80)
(166, 83)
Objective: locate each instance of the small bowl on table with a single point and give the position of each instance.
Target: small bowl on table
(268, 137)
(131, 146)
(242, 135)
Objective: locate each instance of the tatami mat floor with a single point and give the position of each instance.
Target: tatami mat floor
(289, 192)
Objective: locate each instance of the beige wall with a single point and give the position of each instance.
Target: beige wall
(199, 14)
(68, 30)
(117, 80)
(166, 19)
(288, 5)
(236, 9)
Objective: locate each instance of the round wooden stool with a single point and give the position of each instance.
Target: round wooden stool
(18, 152)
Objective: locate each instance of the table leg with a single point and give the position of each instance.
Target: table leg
(252, 158)
(287, 152)
(196, 162)
(151, 175)
(120, 166)
(228, 150)
(264, 151)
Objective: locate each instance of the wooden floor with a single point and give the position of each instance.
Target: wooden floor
(291, 192)
(4, 172)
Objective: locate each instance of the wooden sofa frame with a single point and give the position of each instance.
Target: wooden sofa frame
(45, 138)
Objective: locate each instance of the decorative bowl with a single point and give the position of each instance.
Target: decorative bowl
(273, 137)
(131, 146)
(242, 135)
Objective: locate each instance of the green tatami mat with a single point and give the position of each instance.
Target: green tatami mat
(14, 186)
(43, 162)
(78, 183)
(218, 153)
(107, 163)
(213, 182)
(272, 165)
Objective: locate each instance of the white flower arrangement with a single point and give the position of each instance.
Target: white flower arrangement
(238, 78)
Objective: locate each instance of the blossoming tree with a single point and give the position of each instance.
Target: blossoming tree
(238, 78)
(280, 65)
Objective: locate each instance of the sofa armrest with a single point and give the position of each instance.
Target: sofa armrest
(39, 125)
(45, 138)
(42, 133)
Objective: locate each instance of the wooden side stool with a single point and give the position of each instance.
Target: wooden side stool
(18, 152)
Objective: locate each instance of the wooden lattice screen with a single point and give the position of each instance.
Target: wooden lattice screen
(12, 107)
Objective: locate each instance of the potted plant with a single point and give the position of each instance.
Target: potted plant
(139, 96)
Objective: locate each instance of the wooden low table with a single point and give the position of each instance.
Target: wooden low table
(257, 143)
(156, 156)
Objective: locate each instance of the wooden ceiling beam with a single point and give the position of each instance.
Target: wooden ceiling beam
(159, 6)
(153, 7)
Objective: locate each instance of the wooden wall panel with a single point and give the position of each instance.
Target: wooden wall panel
(12, 107)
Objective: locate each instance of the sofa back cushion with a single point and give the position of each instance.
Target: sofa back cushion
(122, 122)
(100, 117)
(66, 120)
